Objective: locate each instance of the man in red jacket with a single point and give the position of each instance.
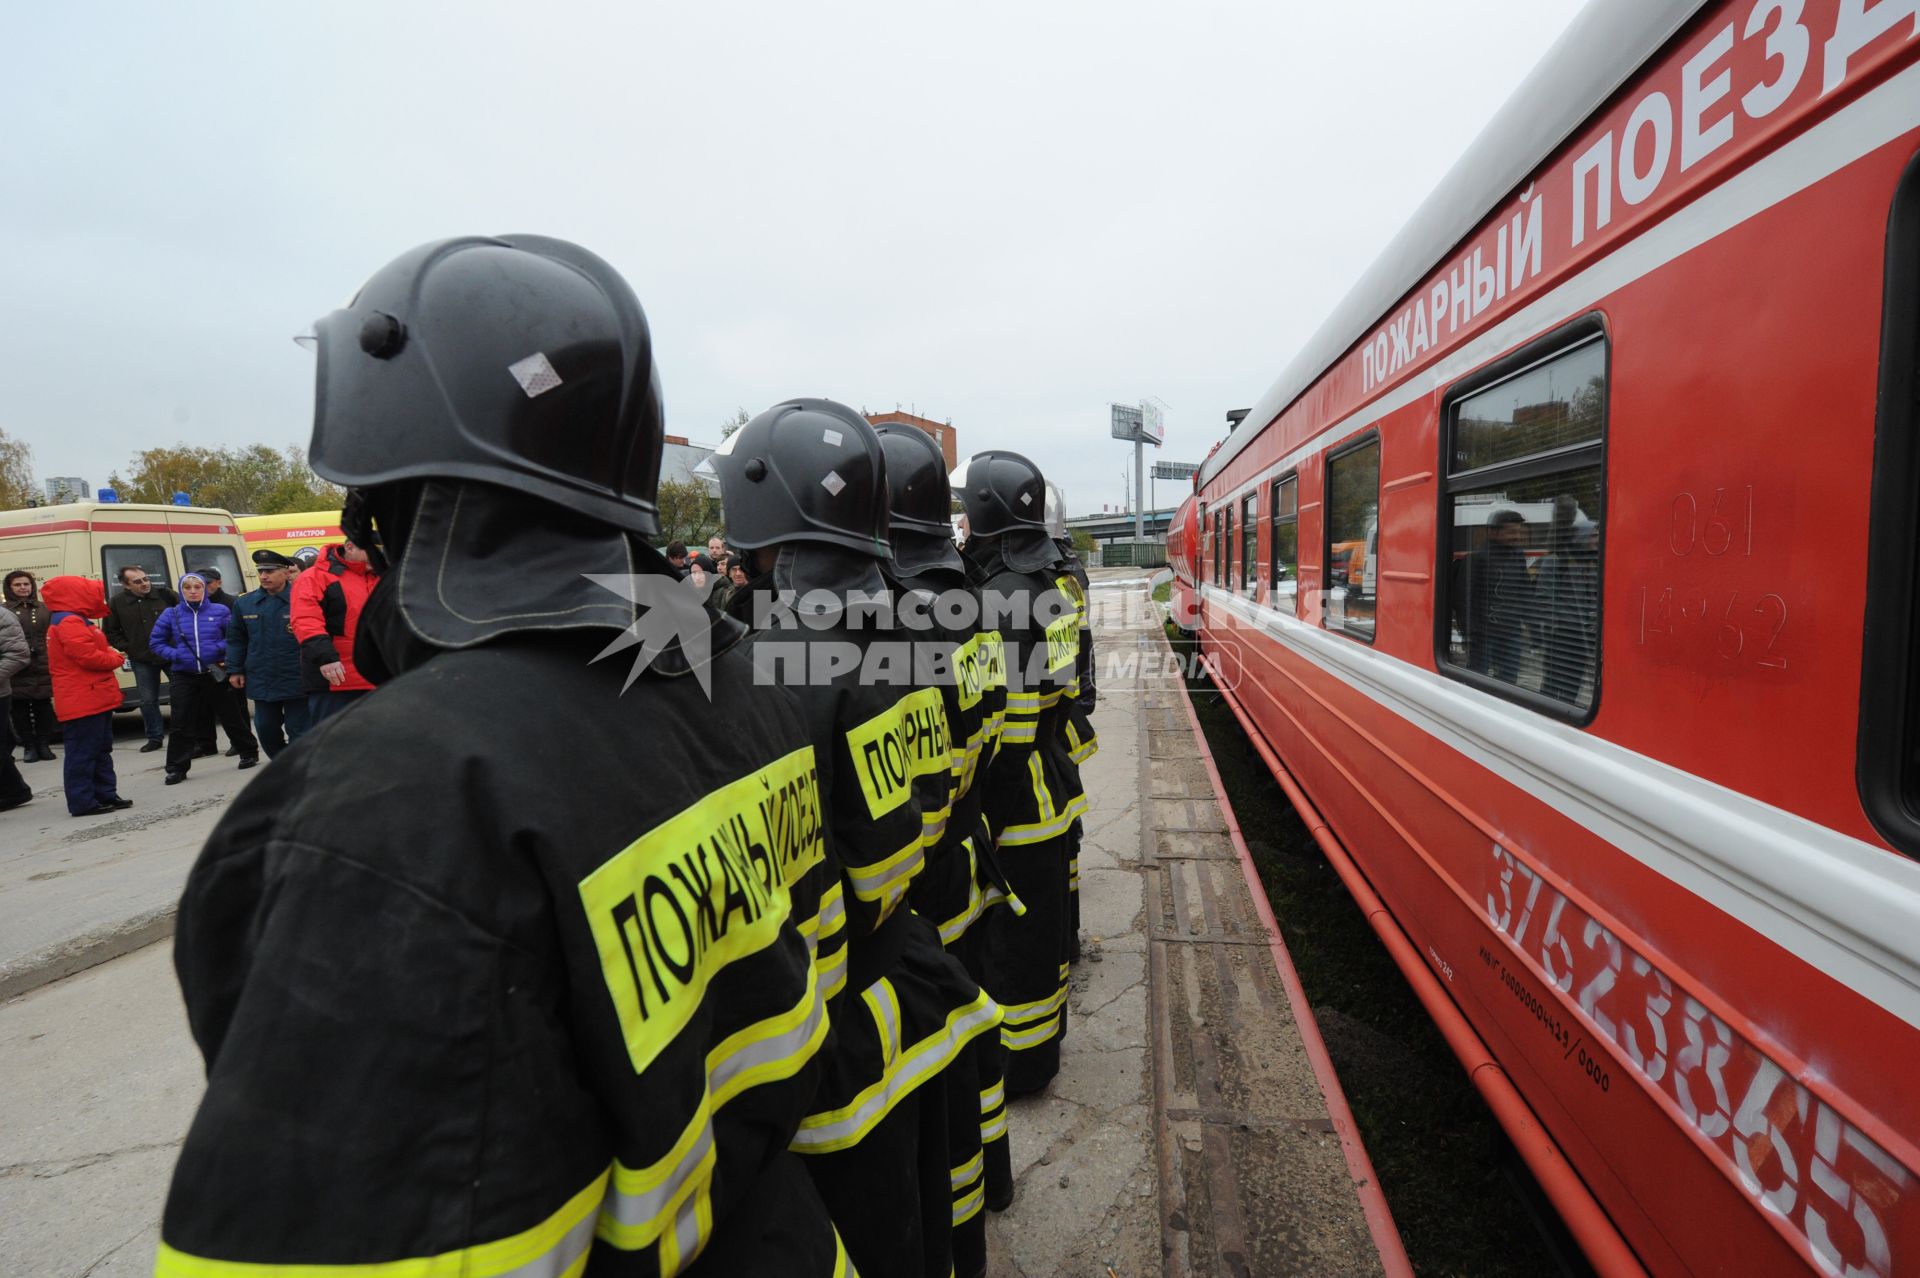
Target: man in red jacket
(86, 692)
(326, 607)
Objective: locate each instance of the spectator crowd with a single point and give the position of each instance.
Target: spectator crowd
(264, 666)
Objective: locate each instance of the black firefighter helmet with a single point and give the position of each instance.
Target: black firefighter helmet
(1003, 492)
(520, 361)
(805, 470)
(921, 499)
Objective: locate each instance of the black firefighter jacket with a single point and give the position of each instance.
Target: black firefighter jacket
(495, 1002)
(1027, 799)
(906, 1009)
(962, 878)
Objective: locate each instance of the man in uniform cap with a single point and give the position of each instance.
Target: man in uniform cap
(263, 657)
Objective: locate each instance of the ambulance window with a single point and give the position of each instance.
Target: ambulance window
(220, 557)
(1353, 507)
(1285, 543)
(1888, 766)
(1518, 612)
(1248, 542)
(150, 559)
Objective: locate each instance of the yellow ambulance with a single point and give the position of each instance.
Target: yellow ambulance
(288, 533)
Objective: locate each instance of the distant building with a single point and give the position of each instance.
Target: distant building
(66, 488)
(942, 432)
(678, 459)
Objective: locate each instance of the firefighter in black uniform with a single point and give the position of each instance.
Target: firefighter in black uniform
(805, 493)
(1014, 564)
(1076, 741)
(962, 880)
(487, 1001)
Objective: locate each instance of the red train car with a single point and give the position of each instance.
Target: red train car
(1570, 574)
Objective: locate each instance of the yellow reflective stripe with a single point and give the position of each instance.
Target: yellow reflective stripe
(1018, 733)
(968, 1172)
(886, 881)
(1042, 797)
(1021, 1013)
(843, 1128)
(906, 740)
(842, 1262)
(992, 1098)
(770, 1049)
(967, 1205)
(669, 1200)
(1021, 1040)
(1076, 806)
(833, 972)
(978, 903)
(1035, 831)
(833, 911)
(994, 1128)
(884, 1006)
(557, 1247)
(704, 888)
(1086, 751)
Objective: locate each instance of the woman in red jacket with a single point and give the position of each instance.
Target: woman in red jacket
(86, 692)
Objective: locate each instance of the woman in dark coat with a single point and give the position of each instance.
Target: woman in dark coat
(33, 722)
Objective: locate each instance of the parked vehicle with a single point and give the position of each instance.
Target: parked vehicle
(97, 539)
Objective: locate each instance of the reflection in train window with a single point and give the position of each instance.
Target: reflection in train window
(1248, 528)
(1285, 547)
(1353, 533)
(1520, 580)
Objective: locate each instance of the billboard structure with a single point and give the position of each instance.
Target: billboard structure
(1175, 470)
(1140, 425)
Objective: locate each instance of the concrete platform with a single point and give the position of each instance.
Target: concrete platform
(1191, 1131)
(78, 891)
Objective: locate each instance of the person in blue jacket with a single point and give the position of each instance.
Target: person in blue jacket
(263, 657)
(191, 637)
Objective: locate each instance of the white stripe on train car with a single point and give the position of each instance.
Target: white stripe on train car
(1844, 906)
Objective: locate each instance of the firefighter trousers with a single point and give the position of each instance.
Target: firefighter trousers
(1026, 962)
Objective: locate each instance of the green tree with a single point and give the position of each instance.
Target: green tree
(734, 423)
(1082, 542)
(16, 473)
(252, 480)
(689, 512)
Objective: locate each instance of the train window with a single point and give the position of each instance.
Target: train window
(1521, 524)
(1284, 542)
(1248, 528)
(1352, 523)
(1888, 767)
(1226, 548)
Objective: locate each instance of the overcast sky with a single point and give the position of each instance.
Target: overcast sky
(1003, 215)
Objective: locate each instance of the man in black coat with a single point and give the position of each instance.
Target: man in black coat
(130, 617)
